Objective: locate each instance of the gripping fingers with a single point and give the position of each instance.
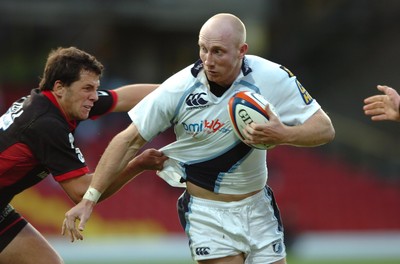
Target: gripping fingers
(69, 226)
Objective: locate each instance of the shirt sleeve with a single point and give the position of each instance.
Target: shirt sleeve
(156, 112)
(106, 103)
(290, 99)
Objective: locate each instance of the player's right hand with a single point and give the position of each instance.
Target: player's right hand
(81, 212)
(149, 159)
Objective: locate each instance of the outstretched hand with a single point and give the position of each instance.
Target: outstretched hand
(383, 106)
(81, 212)
(150, 159)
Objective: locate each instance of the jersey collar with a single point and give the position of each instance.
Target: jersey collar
(71, 123)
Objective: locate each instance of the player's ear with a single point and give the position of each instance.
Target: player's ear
(243, 50)
(58, 88)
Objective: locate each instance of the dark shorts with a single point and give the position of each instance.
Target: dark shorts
(11, 223)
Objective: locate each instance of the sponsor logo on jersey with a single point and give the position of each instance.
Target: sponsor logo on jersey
(196, 100)
(303, 92)
(202, 251)
(306, 96)
(205, 126)
(77, 150)
(12, 113)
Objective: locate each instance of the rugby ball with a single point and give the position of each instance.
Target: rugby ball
(245, 108)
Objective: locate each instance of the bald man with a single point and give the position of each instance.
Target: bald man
(227, 209)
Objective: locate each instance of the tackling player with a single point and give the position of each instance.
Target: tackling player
(37, 139)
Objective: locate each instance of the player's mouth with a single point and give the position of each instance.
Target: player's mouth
(87, 107)
(212, 73)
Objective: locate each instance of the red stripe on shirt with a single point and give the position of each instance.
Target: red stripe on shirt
(72, 174)
(10, 225)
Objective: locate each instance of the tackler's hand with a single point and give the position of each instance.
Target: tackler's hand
(80, 212)
(150, 159)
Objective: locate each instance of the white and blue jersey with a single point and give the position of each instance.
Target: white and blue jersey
(206, 151)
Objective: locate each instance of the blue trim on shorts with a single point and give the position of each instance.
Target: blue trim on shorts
(183, 206)
(184, 201)
(268, 191)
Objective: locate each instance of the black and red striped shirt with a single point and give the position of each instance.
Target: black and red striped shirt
(36, 140)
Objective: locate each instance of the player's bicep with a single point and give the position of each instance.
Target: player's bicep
(130, 95)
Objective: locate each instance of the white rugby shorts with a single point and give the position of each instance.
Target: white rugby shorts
(219, 229)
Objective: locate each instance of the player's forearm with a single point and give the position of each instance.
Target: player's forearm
(119, 152)
(318, 130)
(130, 172)
(150, 159)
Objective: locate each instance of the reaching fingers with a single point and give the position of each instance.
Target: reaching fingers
(69, 226)
(383, 88)
(81, 227)
(373, 107)
(151, 159)
(386, 90)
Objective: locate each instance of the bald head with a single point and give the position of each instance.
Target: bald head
(227, 27)
(222, 48)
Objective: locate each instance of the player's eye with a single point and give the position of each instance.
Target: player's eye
(218, 52)
(89, 88)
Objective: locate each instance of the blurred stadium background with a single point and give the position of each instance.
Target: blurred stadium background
(339, 202)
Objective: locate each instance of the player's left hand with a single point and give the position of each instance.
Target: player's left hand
(81, 212)
(270, 133)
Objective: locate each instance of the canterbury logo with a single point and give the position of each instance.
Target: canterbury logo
(202, 251)
(196, 99)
